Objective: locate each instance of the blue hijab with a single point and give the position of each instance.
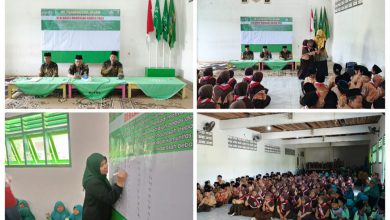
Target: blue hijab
(55, 215)
(79, 216)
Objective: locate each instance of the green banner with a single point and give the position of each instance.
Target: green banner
(151, 133)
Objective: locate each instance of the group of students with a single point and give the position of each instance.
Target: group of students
(59, 212)
(225, 92)
(356, 88)
(78, 69)
(308, 196)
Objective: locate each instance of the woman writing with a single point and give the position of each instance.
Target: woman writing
(100, 195)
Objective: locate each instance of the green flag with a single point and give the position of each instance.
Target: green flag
(320, 22)
(315, 22)
(165, 22)
(172, 25)
(326, 25)
(157, 20)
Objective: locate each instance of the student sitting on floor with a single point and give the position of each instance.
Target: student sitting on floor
(354, 99)
(207, 77)
(241, 101)
(283, 209)
(222, 90)
(361, 211)
(340, 89)
(59, 212)
(305, 210)
(379, 214)
(205, 100)
(262, 100)
(376, 70)
(221, 196)
(322, 90)
(369, 91)
(199, 197)
(322, 209)
(248, 75)
(252, 204)
(232, 81)
(267, 209)
(238, 205)
(207, 203)
(310, 100)
(77, 213)
(24, 211)
(379, 103)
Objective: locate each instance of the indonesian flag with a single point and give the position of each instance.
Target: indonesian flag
(149, 22)
(311, 21)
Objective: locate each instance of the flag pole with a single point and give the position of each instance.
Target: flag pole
(170, 53)
(163, 55)
(157, 54)
(149, 51)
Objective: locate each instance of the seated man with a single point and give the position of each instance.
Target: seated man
(112, 67)
(285, 54)
(266, 54)
(78, 68)
(247, 54)
(48, 68)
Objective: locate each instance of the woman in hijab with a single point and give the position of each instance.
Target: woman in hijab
(321, 56)
(77, 213)
(59, 212)
(100, 195)
(24, 210)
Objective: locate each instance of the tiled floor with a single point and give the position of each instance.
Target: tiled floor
(220, 214)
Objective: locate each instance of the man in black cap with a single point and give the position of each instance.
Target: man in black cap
(112, 67)
(265, 54)
(78, 68)
(247, 54)
(376, 70)
(337, 69)
(285, 54)
(354, 99)
(48, 68)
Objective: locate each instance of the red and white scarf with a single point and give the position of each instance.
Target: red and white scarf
(253, 84)
(224, 86)
(208, 100)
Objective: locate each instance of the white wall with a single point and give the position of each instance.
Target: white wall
(42, 187)
(219, 24)
(231, 163)
(359, 34)
(377, 167)
(23, 36)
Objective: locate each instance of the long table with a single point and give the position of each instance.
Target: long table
(99, 87)
(156, 87)
(273, 64)
(38, 86)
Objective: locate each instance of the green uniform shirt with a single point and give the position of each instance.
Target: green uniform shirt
(247, 55)
(109, 70)
(49, 70)
(82, 70)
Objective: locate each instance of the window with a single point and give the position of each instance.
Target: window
(37, 140)
(373, 154)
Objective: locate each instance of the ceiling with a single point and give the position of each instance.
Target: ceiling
(227, 116)
(319, 124)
